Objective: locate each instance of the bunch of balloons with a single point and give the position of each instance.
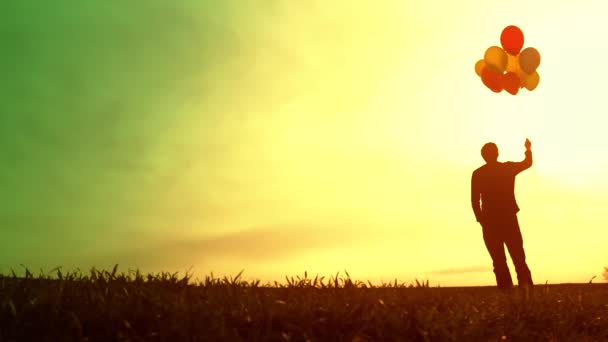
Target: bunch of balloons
(509, 68)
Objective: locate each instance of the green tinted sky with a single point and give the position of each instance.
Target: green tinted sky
(282, 136)
(92, 96)
(130, 127)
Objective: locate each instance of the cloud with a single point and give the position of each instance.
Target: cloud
(266, 242)
(461, 270)
(260, 244)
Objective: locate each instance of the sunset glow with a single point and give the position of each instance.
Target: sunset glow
(281, 137)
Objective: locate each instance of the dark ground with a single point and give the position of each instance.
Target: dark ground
(104, 306)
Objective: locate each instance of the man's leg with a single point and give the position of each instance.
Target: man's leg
(494, 244)
(515, 245)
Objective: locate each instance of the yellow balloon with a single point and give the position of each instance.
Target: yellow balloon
(479, 67)
(513, 63)
(531, 82)
(496, 59)
(529, 60)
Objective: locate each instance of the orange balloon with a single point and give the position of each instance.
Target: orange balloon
(492, 80)
(522, 78)
(511, 82)
(529, 60)
(531, 82)
(513, 63)
(496, 59)
(479, 66)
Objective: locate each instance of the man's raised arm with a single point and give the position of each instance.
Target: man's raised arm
(527, 162)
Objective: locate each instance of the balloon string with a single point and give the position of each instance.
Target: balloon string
(524, 122)
(520, 108)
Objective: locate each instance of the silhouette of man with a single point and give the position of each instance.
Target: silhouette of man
(495, 208)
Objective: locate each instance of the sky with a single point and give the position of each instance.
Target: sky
(278, 137)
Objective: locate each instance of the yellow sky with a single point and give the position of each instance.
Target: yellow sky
(357, 127)
(347, 134)
(279, 137)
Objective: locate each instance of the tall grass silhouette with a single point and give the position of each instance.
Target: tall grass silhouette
(111, 306)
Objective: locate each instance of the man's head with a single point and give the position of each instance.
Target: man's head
(489, 152)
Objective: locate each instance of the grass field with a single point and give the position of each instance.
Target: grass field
(106, 306)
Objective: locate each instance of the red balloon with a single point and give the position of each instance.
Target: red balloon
(492, 80)
(511, 82)
(512, 39)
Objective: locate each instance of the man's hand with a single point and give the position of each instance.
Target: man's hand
(528, 144)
